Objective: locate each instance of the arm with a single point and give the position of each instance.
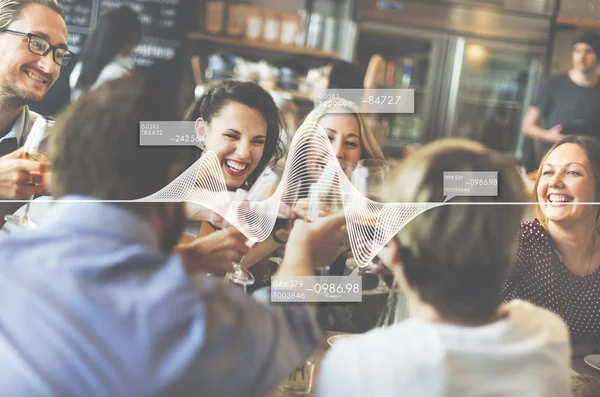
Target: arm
(252, 341)
(259, 252)
(264, 249)
(531, 128)
(199, 213)
(248, 340)
(213, 253)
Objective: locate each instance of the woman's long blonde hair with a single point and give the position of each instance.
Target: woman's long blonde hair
(370, 149)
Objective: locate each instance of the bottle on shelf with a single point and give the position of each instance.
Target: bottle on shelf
(236, 18)
(407, 74)
(302, 28)
(214, 17)
(314, 36)
(390, 73)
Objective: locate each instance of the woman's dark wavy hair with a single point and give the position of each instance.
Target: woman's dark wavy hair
(210, 104)
(114, 29)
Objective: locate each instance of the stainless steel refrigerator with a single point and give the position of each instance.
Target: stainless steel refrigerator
(474, 65)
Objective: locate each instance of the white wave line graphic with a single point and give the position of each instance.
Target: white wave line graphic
(312, 167)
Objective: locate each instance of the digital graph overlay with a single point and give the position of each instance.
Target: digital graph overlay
(311, 170)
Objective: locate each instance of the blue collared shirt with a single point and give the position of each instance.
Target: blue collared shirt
(89, 306)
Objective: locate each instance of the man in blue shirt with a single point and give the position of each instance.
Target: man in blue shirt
(94, 303)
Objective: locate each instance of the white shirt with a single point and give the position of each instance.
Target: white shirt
(525, 354)
(119, 67)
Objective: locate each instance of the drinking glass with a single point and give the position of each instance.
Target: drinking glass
(239, 275)
(325, 198)
(368, 178)
(299, 381)
(260, 200)
(31, 149)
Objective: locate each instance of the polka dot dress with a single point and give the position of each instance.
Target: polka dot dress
(540, 276)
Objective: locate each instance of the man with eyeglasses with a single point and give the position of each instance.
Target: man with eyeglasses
(33, 48)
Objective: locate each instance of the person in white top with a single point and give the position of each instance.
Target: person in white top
(105, 53)
(459, 340)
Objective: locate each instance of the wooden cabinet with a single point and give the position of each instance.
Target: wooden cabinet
(584, 13)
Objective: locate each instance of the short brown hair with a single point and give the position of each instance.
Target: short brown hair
(10, 10)
(457, 256)
(94, 147)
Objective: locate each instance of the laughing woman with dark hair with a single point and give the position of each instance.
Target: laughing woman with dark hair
(241, 124)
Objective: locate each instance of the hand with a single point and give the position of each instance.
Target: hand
(553, 134)
(20, 178)
(214, 253)
(302, 207)
(315, 244)
(196, 212)
(387, 258)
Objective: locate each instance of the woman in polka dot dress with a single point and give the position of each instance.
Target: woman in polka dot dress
(558, 253)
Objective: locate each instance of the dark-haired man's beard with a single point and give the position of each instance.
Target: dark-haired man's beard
(173, 227)
(12, 96)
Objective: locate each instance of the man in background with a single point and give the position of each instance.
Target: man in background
(568, 103)
(33, 48)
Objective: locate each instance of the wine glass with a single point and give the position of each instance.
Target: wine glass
(31, 149)
(326, 196)
(260, 200)
(368, 178)
(239, 275)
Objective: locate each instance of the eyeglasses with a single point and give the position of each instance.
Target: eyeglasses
(40, 46)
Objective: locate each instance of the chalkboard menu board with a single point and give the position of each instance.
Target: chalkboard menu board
(164, 27)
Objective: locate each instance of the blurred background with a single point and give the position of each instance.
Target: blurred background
(475, 66)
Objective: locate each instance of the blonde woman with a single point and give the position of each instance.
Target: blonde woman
(348, 133)
(351, 140)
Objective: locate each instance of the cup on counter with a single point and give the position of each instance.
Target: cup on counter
(299, 382)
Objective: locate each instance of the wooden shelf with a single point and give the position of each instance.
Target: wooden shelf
(584, 23)
(262, 45)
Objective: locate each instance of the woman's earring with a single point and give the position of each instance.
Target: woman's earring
(202, 142)
(200, 129)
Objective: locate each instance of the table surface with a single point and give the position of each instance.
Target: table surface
(586, 380)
